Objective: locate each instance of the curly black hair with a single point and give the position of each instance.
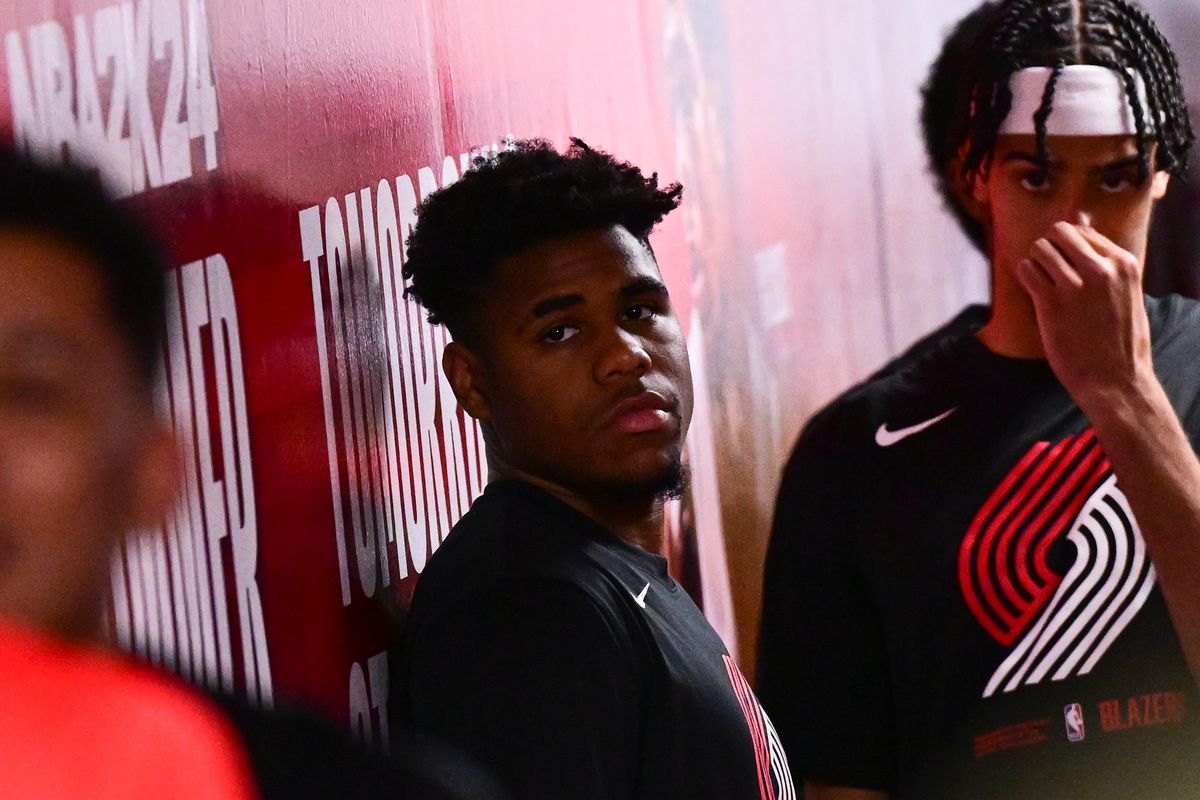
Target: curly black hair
(940, 100)
(523, 196)
(1056, 33)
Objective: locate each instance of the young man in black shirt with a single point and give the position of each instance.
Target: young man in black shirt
(546, 637)
(981, 581)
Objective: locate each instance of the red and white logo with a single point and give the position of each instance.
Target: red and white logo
(774, 775)
(1073, 716)
(1057, 625)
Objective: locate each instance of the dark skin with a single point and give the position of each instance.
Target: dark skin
(578, 371)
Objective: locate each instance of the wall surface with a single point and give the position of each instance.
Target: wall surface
(282, 147)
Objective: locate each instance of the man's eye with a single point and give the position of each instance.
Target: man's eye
(1114, 184)
(640, 312)
(560, 333)
(1036, 182)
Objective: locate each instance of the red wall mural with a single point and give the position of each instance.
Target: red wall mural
(282, 149)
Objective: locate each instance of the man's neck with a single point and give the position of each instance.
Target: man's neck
(1013, 330)
(637, 520)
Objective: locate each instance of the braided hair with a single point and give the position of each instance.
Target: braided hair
(1116, 34)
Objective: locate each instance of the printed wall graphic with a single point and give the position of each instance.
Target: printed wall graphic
(170, 599)
(140, 136)
(282, 149)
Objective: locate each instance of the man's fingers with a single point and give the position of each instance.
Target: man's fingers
(1100, 243)
(1033, 279)
(1057, 268)
(1085, 259)
(1122, 260)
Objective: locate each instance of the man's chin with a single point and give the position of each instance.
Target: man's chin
(668, 482)
(672, 482)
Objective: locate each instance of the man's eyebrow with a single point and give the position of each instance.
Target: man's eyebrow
(640, 285)
(1120, 164)
(643, 285)
(1112, 166)
(556, 303)
(1019, 155)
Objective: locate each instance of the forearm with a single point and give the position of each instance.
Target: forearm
(1159, 474)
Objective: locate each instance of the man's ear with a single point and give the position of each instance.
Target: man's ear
(464, 371)
(1159, 183)
(977, 184)
(970, 191)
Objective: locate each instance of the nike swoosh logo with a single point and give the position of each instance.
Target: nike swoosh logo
(640, 599)
(886, 438)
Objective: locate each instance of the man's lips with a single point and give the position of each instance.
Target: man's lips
(647, 411)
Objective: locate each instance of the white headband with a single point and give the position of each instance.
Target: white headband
(1088, 101)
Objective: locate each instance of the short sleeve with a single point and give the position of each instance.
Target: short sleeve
(822, 665)
(538, 682)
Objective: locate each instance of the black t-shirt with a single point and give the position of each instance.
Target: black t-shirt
(968, 320)
(570, 664)
(958, 603)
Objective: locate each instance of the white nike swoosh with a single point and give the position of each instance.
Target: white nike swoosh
(640, 599)
(886, 438)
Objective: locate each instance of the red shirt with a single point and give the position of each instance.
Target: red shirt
(78, 723)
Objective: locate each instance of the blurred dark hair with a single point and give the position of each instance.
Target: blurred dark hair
(71, 206)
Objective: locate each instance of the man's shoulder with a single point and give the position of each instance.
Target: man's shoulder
(852, 431)
(511, 529)
(909, 376)
(970, 319)
(513, 541)
(522, 621)
(1173, 318)
(853, 418)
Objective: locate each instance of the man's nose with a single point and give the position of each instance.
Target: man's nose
(1081, 217)
(1075, 210)
(623, 354)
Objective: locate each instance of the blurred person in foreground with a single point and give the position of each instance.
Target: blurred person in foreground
(83, 459)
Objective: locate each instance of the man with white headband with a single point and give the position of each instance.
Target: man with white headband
(984, 578)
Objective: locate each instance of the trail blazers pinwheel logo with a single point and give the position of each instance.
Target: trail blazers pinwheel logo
(1057, 625)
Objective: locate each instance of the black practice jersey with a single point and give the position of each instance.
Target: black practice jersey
(970, 319)
(958, 601)
(570, 664)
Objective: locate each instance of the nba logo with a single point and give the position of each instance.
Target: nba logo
(1074, 717)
